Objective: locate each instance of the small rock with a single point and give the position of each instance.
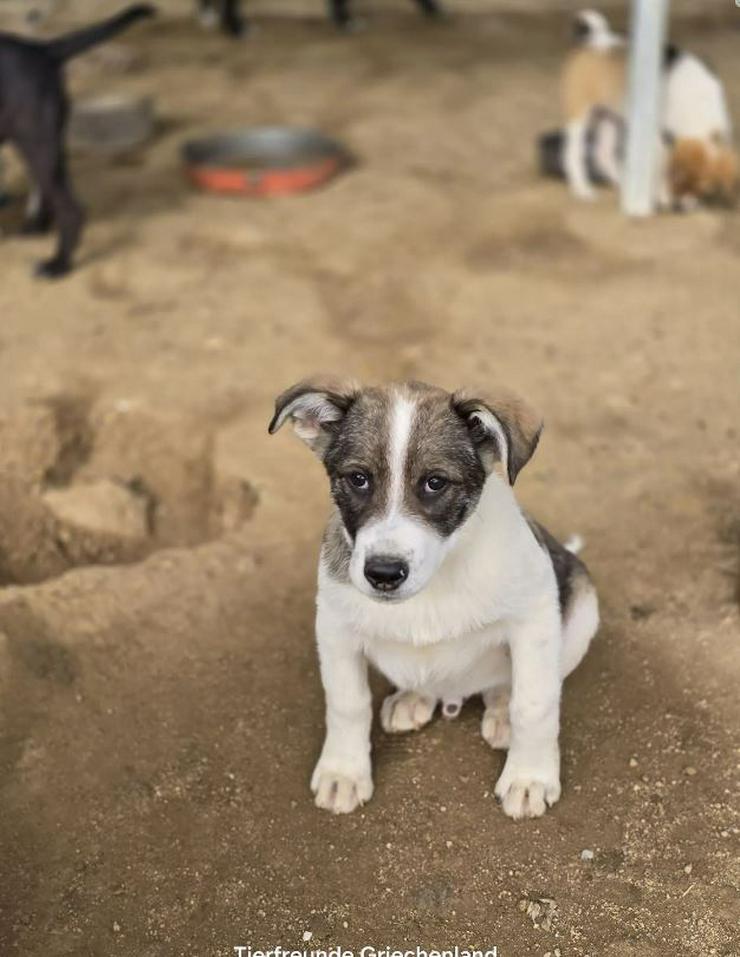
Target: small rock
(587, 855)
(307, 935)
(116, 927)
(633, 762)
(688, 869)
(540, 911)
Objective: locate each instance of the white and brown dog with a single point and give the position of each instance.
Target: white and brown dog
(697, 161)
(430, 572)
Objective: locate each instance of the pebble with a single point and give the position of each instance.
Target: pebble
(587, 854)
(307, 935)
(688, 869)
(633, 762)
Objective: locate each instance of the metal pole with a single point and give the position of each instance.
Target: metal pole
(647, 36)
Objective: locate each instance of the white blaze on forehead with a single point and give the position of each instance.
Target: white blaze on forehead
(403, 412)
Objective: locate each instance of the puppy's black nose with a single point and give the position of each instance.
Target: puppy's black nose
(386, 573)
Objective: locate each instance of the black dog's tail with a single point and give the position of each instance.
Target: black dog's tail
(78, 42)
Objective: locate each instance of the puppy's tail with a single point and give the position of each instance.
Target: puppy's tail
(72, 44)
(591, 29)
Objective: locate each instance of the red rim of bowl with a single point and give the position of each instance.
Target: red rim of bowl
(284, 160)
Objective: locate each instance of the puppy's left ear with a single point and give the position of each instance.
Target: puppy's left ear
(503, 428)
(316, 408)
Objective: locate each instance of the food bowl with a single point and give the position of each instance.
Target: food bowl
(112, 123)
(263, 161)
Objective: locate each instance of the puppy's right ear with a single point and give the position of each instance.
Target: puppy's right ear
(316, 407)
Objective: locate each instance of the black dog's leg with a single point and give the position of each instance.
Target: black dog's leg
(340, 13)
(429, 7)
(47, 166)
(232, 20)
(38, 218)
(206, 13)
(226, 14)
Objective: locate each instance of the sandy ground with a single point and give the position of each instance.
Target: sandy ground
(159, 717)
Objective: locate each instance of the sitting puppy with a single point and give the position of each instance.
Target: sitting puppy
(33, 113)
(694, 108)
(430, 571)
(227, 14)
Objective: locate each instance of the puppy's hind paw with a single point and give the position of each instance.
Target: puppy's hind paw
(495, 726)
(340, 793)
(406, 711)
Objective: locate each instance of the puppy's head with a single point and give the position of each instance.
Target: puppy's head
(591, 29)
(407, 464)
(703, 171)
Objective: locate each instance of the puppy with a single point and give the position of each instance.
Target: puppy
(693, 108)
(227, 14)
(430, 572)
(701, 164)
(33, 114)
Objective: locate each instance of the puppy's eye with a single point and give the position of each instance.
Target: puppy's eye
(359, 481)
(435, 483)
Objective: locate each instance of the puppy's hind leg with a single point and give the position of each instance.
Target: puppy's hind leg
(580, 622)
(574, 159)
(406, 711)
(496, 726)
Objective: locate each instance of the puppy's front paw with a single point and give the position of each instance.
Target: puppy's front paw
(527, 792)
(406, 711)
(340, 790)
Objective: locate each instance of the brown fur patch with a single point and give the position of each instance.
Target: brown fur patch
(703, 170)
(521, 423)
(592, 78)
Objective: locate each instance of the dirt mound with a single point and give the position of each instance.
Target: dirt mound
(84, 484)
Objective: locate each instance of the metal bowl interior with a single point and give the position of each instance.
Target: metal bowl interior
(263, 148)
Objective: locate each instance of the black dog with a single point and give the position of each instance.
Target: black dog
(229, 16)
(33, 114)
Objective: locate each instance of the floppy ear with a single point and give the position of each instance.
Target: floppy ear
(315, 407)
(503, 428)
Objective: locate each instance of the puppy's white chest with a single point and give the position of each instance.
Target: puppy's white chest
(462, 666)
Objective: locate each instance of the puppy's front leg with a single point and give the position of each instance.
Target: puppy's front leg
(342, 779)
(574, 159)
(530, 780)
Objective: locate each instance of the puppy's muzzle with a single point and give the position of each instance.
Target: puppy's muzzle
(386, 573)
